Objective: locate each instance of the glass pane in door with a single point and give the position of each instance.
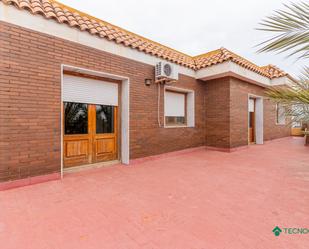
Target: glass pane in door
(76, 118)
(104, 119)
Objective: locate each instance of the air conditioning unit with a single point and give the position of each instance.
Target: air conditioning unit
(166, 70)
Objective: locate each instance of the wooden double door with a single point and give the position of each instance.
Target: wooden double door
(90, 133)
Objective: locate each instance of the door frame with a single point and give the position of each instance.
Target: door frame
(91, 137)
(259, 118)
(251, 120)
(124, 101)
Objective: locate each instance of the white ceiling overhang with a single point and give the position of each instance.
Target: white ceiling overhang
(232, 69)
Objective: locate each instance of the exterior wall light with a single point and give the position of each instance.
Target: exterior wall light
(148, 82)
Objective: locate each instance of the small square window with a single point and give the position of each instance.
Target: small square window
(174, 121)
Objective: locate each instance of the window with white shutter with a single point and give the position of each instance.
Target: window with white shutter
(175, 108)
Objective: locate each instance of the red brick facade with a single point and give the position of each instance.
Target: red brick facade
(30, 102)
(227, 113)
(239, 91)
(217, 113)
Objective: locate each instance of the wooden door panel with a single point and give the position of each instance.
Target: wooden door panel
(105, 145)
(105, 148)
(251, 136)
(77, 150)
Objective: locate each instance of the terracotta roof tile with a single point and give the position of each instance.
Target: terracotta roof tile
(273, 71)
(74, 18)
(222, 55)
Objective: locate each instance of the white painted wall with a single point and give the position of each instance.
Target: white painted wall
(190, 109)
(282, 81)
(125, 121)
(259, 118)
(259, 121)
(251, 105)
(230, 68)
(208, 72)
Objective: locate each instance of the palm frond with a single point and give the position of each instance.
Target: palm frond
(292, 28)
(298, 113)
(295, 98)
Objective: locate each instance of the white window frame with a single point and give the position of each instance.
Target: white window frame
(189, 108)
(259, 118)
(278, 121)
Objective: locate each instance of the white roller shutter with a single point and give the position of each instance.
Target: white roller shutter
(90, 91)
(174, 104)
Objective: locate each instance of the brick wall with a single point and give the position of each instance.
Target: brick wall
(217, 112)
(30, 96)
(226, 105)
(30, 75)
(239, 91)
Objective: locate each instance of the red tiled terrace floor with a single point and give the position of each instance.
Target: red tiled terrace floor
(202, 199)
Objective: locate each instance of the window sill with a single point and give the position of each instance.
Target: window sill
(178, 126)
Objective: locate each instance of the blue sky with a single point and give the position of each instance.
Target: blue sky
(196, 26)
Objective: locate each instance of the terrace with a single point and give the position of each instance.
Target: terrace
(195, 199)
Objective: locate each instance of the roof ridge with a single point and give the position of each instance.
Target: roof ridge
(233, 54)
(207, 53)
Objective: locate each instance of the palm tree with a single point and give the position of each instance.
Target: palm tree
(294, 98)
(291, 28)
